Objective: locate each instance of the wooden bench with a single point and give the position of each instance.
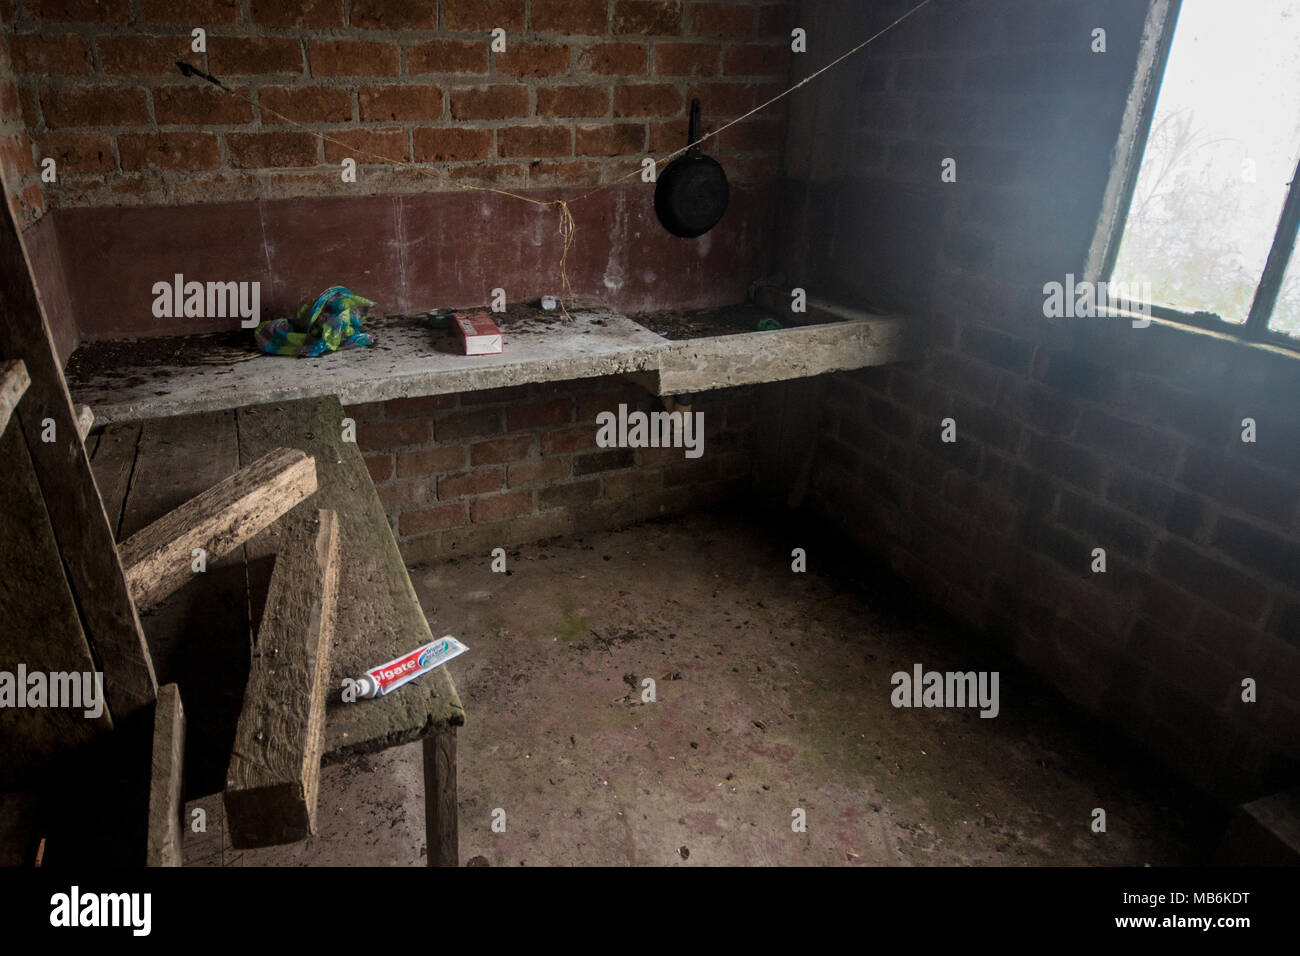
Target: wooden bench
(202, 635)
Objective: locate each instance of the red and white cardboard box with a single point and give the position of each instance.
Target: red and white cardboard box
(479, 333)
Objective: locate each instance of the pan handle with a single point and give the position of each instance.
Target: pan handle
(694, 131)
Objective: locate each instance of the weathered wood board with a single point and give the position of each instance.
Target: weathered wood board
(62, 468)
(158, 558)
(379, 615)
(40, 632)
(274, 777)
(200, 636)
(166, 803)
(13, 383)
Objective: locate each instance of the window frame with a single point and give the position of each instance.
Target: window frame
(1157, 40)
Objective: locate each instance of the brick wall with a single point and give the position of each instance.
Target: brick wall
(584, 90)
(1071, 434)
(471, 472)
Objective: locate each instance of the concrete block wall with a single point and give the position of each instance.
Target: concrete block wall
(584, 90)
(1071, 434)
(471, 472)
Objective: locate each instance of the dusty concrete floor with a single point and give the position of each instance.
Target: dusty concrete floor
(773, 693)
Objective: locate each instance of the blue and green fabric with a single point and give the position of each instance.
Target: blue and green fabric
(330, 323)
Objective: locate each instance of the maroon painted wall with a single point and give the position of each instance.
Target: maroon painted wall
(407, 253)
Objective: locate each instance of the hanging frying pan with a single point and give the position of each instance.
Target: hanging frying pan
(692, 192)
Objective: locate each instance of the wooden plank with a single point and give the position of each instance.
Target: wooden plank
(158, 558)
(76, 513)
(41, 630)
(113, 462)
(379, 615)
(166, 804)
(274, 777)
(13, 383)
(200, 635)
(441, 816)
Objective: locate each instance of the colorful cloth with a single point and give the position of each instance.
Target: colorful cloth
(331, 323)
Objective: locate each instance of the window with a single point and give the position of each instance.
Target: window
(1211, 222)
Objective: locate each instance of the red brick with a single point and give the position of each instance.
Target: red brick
(533, 59)
(470, 483)
(168, 151)
(253, 56)
(490, 174)
(647, 99)
(614, 59)
(379, 466)
(585, 17)
(16, 156)
(426, 520)
(305, 104)
(83, 11)
(616, 139)
(569, 440)
(451, 145)
(671, 135)
(490, 102)
(263, 150)
(501, 507)
(520, 473)
(422, 405)
(381, 436)
(200, 105)
(727, 100)
(394, 15)
(500, 450)
(94, 106)
(648, 17)
(298, 14)
(542, 173)
(721, 20)
(484, 15)
(557, 411)
(385, 103)
(447, 56)
(143, 56)
(687, 59)
(190, 12)
(534, 141)
(64, 55)
(572, 101)
(368, 145)
(625, 484)
(468, 425)
(757, 59)
(346, 58)
(430, 461)
(776, 20)
(77, 152)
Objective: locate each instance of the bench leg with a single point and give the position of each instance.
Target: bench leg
(440, 825)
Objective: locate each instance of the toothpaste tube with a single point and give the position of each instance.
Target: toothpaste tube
(388, 677)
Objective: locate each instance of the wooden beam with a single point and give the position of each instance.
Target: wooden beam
(13, 383)
(166, 804)
(68, 487)
(159, 558)
(274, 776)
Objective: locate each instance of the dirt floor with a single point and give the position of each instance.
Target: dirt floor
(772, 696)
